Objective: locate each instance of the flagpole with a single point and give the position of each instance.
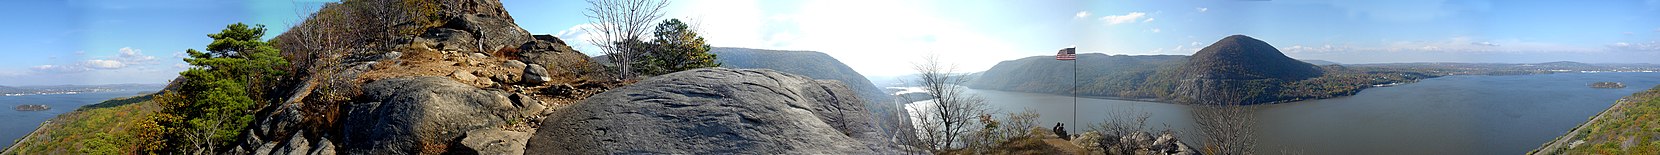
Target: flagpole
(1074, 94)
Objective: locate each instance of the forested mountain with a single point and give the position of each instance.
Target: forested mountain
(1239, 57)
(1234, 70)
(1098, 74)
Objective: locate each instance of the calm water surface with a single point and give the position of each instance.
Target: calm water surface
(19, 123)
(1447, 115)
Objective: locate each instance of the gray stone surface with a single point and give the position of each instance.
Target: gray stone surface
(715, 111)
(514, 64)
(496, 141)
(535, 74)
(449, 39)
(324, 147)
(297, 144)
(407, 115)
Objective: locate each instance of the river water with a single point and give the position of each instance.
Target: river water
(20, 123)
(1448, 115)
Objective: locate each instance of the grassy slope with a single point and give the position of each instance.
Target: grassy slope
(1631, 126)
(95, 129)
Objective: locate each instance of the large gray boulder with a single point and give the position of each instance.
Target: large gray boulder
(421, 115)
(715, 111)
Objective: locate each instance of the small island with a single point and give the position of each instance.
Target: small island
(1607, 85)
(32, 107)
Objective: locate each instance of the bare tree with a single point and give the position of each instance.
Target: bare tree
(952, 113)
(1225, 122)
(618, 24)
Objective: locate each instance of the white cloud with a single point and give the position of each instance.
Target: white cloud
(1202, 9)
(134, 56)
(1651, 46)
(1149, 19)
(1155, 30)
(59, 69)
(125, 57)
(1327, 48)
(1132, 17)
(104, 64)
(1082, 14)
(577, 37)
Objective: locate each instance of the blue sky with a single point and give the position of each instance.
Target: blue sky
(106, 41)
(113, 42)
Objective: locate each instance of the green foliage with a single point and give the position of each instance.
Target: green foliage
(218, 96)
(676, 48)
(423, 12)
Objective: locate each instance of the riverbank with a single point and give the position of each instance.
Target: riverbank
(1624, 128)
(25, 138)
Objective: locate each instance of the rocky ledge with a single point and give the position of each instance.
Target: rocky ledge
(715, 111)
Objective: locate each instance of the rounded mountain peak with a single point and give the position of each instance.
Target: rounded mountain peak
(1243, 57)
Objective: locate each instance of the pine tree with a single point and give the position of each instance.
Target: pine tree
(677, 47)
(217, 98)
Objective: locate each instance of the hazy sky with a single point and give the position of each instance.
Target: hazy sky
(109, 41)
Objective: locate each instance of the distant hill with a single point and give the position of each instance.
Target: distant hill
(811, 64)
(1321, 62)
(5, 89)
(1455, 68)
(1234, 70)
(1241, 57)
(1098, 74)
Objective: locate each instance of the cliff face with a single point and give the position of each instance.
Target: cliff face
(716, 111)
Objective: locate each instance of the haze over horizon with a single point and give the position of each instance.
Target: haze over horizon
(107, 42)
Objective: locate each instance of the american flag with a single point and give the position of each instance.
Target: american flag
(1069, 53)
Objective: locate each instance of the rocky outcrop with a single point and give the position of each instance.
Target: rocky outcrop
(422, 115)
(818, 65)
(715, 111)
(465, 79)
(1135, 143)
